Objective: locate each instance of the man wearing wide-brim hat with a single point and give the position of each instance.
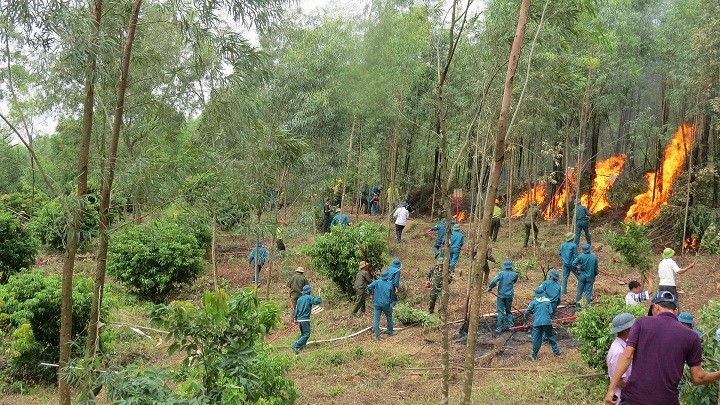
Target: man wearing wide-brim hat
(621, 325)
(362, 279)
(295, 286)
(667, 270)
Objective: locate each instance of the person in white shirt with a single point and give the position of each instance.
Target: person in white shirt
(621, 325)
(401, 215)
(667, 270)
(636, 294)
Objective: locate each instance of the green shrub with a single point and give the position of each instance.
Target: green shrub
(222, 342)
(50, 225)
(151, 260)
(23, 201)
(30, 320)
(710, 242)
(197, 225)
(707, 322)
(704, 222)
(592, 328)
(407, 315)
(634, 246)
(337, 255)
(17, 247)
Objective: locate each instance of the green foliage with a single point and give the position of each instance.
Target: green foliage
(408, 315)
(30, 321)
(50, 223)
(23, 200)
(336, 255)
(396, 361)
(707, 322)
(153, 259)
(634, 246)
(17, 247)
(221, 342)
(340, 357)
(592, 329)
(710, 242)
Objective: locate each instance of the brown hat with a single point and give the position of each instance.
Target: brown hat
(363, 264)
(300, 270)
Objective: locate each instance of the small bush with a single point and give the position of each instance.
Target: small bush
(153, 259)
(634, 246)
(50, 225)
(23, 201)
(17, 247)
(397, 361)
(337, 255)
(407, 315)
(30, 321)
(707, 322)
(592, 329)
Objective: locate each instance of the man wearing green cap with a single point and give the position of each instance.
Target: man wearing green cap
(552, 290)
(582, 216)
(362, 279)
(667, 270)
(496, 218)
(588, 263)
(434, 281)
(542, 323)
(532, 216)
(568, 253)
(505, 280)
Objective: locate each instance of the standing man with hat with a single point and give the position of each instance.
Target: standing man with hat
(295, 286)
(532, 216)
(542, 323)
(394, 278)
(434, 281)
(382, 303)
(568, 252)
(687, 319)
(257, 259)
(457, 240)
(505, 280)
(582, 216)
(588, 263)
(495, 224)
(658, 348)
(401, 216)
(302, 316)
(667, 270)
(621, 325)
(362, 279)
(552, 290)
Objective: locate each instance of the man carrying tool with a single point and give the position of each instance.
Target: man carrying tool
(552, 290)
(457, 240)
(257, 259)
(505, 280)
(588, 263)
(667, 270)
(382, 291)
(532, 216)
(582, 216)
(362, 278)
(302, 316)
(542, 329)
(568, 253)
(295, 286)
(495, 224)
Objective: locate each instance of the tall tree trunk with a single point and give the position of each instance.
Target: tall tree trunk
(108, 178)
(74, 232)
(498, 161)
(594, 145)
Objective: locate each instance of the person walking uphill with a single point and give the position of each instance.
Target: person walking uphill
(401, 216)
(588, 263)
(568, 253)
(327, 215)
(362, 278)
(505, 280)
(434, 281)
(658, 348)
(382, 303)
(667, 270)
(279, 235)
(295, 286)
(257, 259)
(532, 216)
(496, 218)
(582, 216)
(457, 240)
(552, 290)
(302, 316)
(540, 308)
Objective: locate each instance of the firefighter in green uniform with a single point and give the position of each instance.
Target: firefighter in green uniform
(295, 286)
(434, 281)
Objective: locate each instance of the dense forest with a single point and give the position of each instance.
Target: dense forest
(222, 117)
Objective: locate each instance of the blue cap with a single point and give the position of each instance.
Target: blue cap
(396, 262)
(384, 275)
(306, 289)
(686, 317)
(508, 265)
(554, 274)
(586, 248)
(539, 292)
(260, 243)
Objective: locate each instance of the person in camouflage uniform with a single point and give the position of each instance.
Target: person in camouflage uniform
(434, 281)
(532, 216)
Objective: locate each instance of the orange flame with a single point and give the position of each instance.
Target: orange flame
(647, 205)
(459, 216)
(537, 194)
(691, 244)
(606, 172)
(556, 207)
